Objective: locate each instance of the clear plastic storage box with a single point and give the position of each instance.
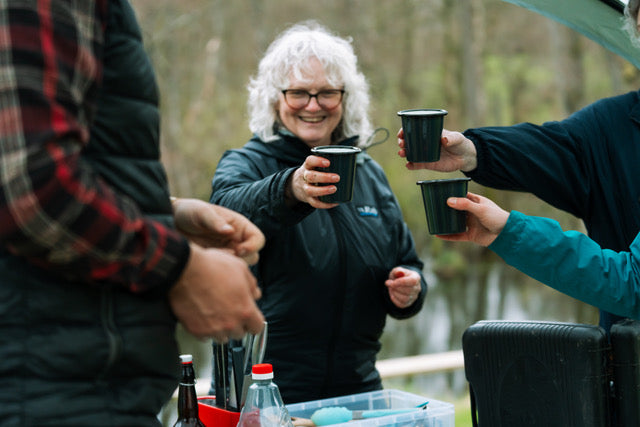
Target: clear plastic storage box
(437, 413)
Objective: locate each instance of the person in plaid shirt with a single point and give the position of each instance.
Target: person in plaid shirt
(96, 262)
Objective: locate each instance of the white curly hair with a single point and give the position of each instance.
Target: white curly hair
(289, 55)
(631, 21)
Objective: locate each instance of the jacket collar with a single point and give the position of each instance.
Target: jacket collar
(635, 113)
(286, 134)
(288, 147)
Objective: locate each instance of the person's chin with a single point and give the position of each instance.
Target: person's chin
(313, 140)
(313, 143)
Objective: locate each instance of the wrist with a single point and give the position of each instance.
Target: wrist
(289, 196)
(470, 159)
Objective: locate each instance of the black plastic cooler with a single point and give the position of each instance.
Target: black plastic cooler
(625, 360)
(529, 373)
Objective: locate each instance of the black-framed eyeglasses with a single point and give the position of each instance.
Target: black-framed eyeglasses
(299, 98)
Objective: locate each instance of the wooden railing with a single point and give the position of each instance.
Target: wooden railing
(422, 364)
(390, 368)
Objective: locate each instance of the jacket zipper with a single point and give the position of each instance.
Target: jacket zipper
(340, 297)
(109, 325)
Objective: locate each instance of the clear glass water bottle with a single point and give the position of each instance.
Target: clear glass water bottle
(263, 406)
(187, 399)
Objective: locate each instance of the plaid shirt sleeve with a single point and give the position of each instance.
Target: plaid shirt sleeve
(54, 210)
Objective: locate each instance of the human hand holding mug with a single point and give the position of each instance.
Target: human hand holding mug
(304, 182)
(485, 219)
(457, 153)
(342, 161)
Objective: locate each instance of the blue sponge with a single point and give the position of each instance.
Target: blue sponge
(340, 414)
(331, 415)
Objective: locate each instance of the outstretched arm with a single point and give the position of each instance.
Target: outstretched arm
(569, 262)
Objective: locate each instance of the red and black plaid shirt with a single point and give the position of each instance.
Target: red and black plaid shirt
(54, 210)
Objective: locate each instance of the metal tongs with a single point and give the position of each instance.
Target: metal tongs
(236, 355)
(255, 346)
(232, 368)
(221, 374)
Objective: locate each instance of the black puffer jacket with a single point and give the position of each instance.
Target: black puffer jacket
(322, 272)
(108, 354)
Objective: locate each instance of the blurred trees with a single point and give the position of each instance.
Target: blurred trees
(486, 61)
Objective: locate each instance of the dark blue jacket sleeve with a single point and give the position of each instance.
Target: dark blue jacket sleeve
(547, 160)
(565, 163)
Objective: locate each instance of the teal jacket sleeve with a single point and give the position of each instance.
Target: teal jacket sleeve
(572, 263)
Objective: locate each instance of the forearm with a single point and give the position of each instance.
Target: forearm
(572, 263)
(263, 200)
(544, 160)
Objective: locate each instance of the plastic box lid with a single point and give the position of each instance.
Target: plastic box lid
(437, 414)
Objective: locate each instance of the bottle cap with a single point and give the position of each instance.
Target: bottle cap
(186, 358)
(262, 371)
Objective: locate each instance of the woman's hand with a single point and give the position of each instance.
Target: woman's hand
(485, 219)
(307, 183)
(404, 286)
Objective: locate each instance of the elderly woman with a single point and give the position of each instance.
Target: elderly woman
(329, 273)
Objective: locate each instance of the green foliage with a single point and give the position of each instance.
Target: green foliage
(486, 62)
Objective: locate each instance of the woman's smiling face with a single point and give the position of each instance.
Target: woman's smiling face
(312, 123)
